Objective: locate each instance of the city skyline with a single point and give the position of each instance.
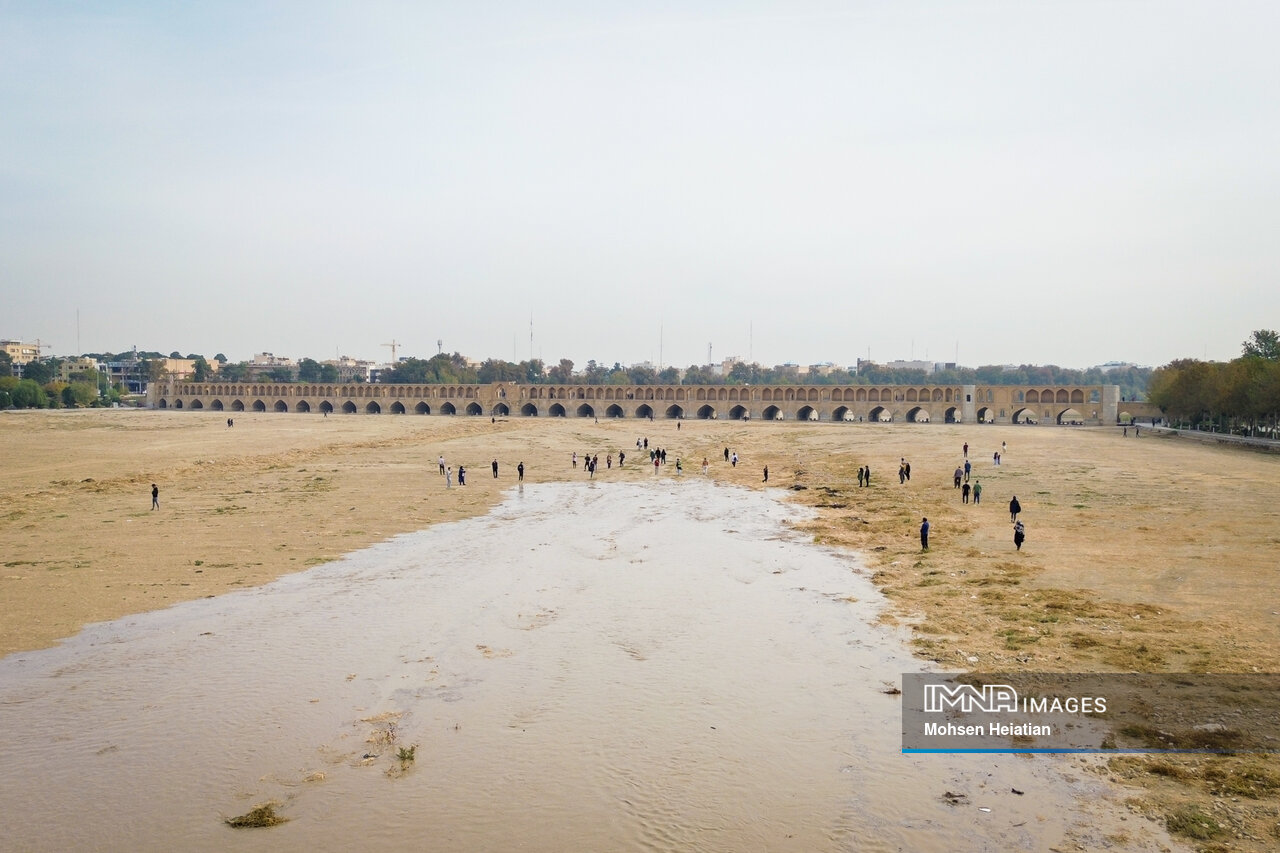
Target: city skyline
(810, 182)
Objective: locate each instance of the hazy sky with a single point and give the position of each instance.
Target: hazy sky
(1042, 182)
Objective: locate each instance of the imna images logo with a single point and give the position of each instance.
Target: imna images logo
(967, 699)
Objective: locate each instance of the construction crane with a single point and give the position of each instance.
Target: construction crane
(393, 346)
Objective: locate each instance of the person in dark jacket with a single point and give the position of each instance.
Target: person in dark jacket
(1014, 509)
(924, 534)
(1019, 535)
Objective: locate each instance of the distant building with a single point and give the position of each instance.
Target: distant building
(352, 369)
(1117, 365)
(926, 366)
(20, 353)
(81, 364)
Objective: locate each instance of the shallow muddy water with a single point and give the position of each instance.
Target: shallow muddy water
(588, 667)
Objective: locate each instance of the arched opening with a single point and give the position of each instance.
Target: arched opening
(880, 415)
(675, 412)
(1024, 416)
(348, 408)
(644, 411)
(841, 413)
(738, 413)
(918, 416)
(373, 408)
(614, 411)
(585, 411)
(281, 406)
(216, 405)
(474, 409)
(501, 410)
(1070, 416)
(163, 404)
(556, 410)
(807, 413)
(259, 406)
(772, 413)
(529, 410)
(196, 404)
(953, 416)
(237, 405)
(397, 408)
(303, 406)
(422, 409)
(707, 413)
(326, 408)
(448, 409)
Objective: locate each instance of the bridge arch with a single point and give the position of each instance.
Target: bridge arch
(644, 411)
(474, 409)
(196, 404)
(501, 410)
(216, 405)
(614, 411)
(348, 408)
(737, 413)
(326, 408)
(675, 412)
(585, 411)
(772, 413)
(259, 406)
(807, 413)
(985, 415)
(880, 414)
(281, 406)
(841, 413)
(1024, 416)
(448, 408)
(373, 408)
(1070, 416)
(303, 406)
(556, 410)
(707, 413)
(953, 415)
(422, 409)
(529, 410)
(918, 415)
(397, 408)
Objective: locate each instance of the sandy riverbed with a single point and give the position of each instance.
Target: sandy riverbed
(1152, 554)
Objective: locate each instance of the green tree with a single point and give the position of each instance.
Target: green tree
(201, 370)
(328, 373)
(28, 394)
(39, 372)
(669, 375)
(79, 395)
(309, 370)
(1264, 343)
(234, 372)
(220, 358)
(562, 373)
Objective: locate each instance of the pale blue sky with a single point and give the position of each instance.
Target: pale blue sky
(1066, 183)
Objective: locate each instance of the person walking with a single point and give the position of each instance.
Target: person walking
(868, 475)
(734, 460)
(520, 472)
(462, 476)
(1014, 509)
(679, 466)
(575, 460)
(441, 461)
(977, 492)
(448, 477)
(705, 466)
(155, 496)
(726, 454)
(902, 472)
(967, 469)
(907, 471)
(924, 534)
(959, 475)
(966, 450)
(622, 457)
(964, 493)
(766, 473)
(860, 477)
(1019, 535)
(495, 469)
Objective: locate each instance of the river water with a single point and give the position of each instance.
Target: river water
(590, 666)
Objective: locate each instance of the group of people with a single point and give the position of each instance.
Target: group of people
(446, 471)
(960, 481)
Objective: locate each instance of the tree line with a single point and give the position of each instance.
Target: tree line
(1240, 396)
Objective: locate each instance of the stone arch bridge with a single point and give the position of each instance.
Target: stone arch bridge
(1084, 404)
